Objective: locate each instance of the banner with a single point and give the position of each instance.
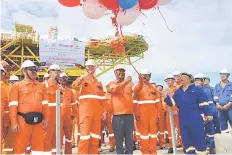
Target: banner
(62, 52)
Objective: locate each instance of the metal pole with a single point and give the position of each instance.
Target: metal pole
(58, 122)
(172, 127)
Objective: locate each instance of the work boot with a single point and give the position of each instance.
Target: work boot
(184, 150)
(134, 146)
(100, 150)
(162, 147)
(179, 146)
(212, 151)
(170, 150)
(111, 149)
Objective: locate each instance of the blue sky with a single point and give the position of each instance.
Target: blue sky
(201, 40)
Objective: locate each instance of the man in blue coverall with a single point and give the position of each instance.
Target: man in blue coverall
(191, 101)
(209, 127)
(216, 118)
(223, 99)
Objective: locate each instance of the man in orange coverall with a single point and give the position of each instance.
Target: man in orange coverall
(5, 120)
(92, 101)
(69, 106)
(52, 85)
(28, 108)
(161, 122)
(171, 88)
(147, 112)
(123, 119)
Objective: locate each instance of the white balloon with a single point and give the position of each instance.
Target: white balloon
(93, 10)
(163, 2)
(129, 16)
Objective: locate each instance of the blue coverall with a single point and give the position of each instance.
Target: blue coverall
(223, 96)
(209, 127)
(191, 103)
(216, 116)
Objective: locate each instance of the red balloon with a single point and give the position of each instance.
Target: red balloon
(147, 4)
(70, 3)
(110, 4)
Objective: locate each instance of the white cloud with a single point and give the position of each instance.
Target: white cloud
(201, 40)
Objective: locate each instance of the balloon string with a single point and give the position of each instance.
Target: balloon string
(164, 19)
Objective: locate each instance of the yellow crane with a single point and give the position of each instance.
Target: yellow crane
(23, 44)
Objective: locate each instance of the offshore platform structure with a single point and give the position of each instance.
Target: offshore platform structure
(23, 44)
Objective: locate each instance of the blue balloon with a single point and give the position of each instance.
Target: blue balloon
(127, 4)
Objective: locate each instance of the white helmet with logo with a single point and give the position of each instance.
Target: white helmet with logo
(146, 71)
(224, 71)
(14, 78)
(27, 63)
(90, 62)
(54, 67)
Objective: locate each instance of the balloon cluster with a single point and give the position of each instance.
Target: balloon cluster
(125, 11)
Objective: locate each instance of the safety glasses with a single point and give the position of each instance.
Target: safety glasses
(32, 69)
(55, 70)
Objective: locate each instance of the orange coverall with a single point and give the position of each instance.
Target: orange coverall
(109, 121)
(175, 117)
(161, 125)
(4, 102)
(76, 92)
(28, 97)
(50, 132)
(69, 107)
(147, 109)
(136, 134)
(92, 100)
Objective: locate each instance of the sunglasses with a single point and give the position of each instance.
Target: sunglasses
(33, 69)
(55, 70)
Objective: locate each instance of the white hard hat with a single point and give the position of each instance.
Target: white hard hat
(176, 73)
(54, 66)
(1, 67)
(46, 75)
(146, 71)
(224, 71)
(90, 62)
(199, 76)
(14, 78)
(119, 67)
(63, 75)
(27, 63)
(169, 76)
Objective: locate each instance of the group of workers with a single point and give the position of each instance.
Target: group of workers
(134, 114)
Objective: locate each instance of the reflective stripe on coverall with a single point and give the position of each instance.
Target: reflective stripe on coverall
(190, 103)
(148, 108)
(175, 117)
(69, 107)
(28, 97)
(91, 100)
(50, 132)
